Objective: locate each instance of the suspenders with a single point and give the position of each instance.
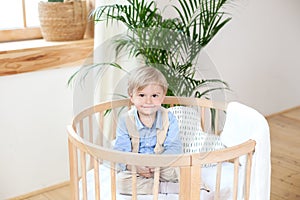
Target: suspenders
(160, 133)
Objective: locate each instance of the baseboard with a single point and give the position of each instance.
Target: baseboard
(41, 191)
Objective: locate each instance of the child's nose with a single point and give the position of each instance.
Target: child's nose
(148, 100)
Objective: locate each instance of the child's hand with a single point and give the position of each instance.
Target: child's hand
(147, 172)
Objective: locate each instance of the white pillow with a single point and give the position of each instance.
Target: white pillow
(194, 140)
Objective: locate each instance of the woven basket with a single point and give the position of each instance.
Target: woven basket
(62, 21)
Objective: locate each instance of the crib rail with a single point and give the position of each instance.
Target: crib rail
(88, 149)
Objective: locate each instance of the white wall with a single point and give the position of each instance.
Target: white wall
(34, 111)
(258, 54)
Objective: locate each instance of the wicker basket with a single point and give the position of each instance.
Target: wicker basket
(62, 21)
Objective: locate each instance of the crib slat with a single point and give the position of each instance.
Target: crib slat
(134, 182)
(216, 121)
(101, 126)
(248, 175)
(218, 181)
(185, 180)
(90, 119)
(73, 170)
(83, 174)
(114, 123)
(96, 177)
(113, 181)
(81, 128)
(91, 138)
(83, 163)
(156, 183)
(203, 118)
(236, 178)
(195, 182)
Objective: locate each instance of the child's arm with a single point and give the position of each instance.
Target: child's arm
(122, 142)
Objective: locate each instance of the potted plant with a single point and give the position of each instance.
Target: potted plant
(62, 20)
(170, 44)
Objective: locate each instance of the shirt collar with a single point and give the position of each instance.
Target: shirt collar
(158, 121)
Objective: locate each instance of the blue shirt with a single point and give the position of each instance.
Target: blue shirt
(172, 143)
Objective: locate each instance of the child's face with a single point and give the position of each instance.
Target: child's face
(148, 100)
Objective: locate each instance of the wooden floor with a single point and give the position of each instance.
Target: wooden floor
(285, 144)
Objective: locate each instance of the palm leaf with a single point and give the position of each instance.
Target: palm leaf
(204, 20)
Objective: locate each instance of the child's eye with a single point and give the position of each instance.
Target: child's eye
(155, 95)
(141, 95)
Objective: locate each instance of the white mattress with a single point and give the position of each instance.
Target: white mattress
(208, 175)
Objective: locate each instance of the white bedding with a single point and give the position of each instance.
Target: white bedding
(208, 175)
(244, 123)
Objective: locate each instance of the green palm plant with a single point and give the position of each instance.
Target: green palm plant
(169, 44)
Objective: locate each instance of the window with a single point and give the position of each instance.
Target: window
(19, 20)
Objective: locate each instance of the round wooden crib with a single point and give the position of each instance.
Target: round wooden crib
(90, 148)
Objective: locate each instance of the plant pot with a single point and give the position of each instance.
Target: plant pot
(62, 21)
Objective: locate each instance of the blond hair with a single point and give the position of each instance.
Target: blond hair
(141, 77)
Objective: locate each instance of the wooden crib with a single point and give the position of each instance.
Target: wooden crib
(93, 129)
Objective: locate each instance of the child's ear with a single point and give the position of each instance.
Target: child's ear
(165, 94)
(130, 97)
(163, 97)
